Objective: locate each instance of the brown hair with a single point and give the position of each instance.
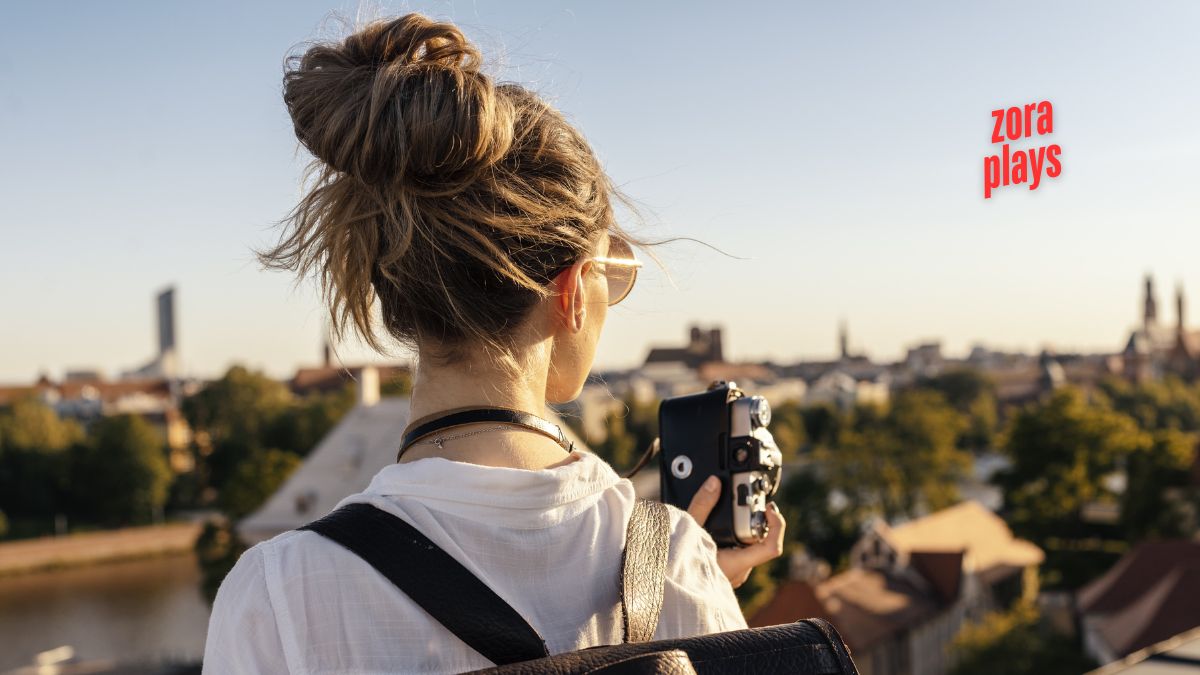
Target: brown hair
(448, 198)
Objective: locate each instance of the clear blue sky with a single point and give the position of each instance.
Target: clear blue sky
(838, 146)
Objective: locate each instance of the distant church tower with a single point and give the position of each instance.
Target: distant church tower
(1182, 359)
(1150, 309)
(1180, 326)
(843, 340)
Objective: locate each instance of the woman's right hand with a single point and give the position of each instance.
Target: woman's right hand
(737, 561)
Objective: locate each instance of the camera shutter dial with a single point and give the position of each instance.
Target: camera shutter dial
(681, 466)
(760, 410)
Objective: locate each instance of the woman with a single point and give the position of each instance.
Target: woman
(481, 223)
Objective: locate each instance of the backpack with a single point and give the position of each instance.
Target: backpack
(480, 618)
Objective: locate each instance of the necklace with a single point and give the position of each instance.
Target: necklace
(439, 440)
(470, 415)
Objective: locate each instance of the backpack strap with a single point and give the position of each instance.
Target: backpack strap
(462, 603)
(643, 569)
(435, 581)
(837, 646)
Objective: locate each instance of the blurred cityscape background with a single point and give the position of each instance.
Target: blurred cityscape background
(989, 412)
(943, 510)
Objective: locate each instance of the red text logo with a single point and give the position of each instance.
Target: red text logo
(1015, 167)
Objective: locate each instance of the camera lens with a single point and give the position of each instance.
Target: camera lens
(758, 524)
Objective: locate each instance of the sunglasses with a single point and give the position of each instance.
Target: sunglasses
(620, 268)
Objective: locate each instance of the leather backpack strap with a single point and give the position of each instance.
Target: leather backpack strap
(644, 569)
(435, 581)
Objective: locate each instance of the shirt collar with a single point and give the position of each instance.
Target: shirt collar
(513, 497)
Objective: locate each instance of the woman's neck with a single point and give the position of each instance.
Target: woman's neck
(440, 389)
(437, 390)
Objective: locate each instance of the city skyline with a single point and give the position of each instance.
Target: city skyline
(838, 158)
(1165, 310)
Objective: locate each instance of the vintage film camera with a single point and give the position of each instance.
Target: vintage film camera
(721, 431)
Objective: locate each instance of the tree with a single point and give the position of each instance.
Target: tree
(34, 460)
(813, 522)
(298, 428)
(217, 549)
(822, 423)
(236, 413)
(32, 425)
(120, 475)
(1166, 404)
(255, 479)
(242, 404)
(1152, 470)
(1062, 450)
(627, 433)
(619, 444)
(973, 394)
(897, 462)
(398, 385)
(960, 386)
(787, 427)
(1007, 643)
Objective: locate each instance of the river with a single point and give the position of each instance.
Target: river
(131, 611)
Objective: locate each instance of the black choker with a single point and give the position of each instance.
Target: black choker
(473, 415)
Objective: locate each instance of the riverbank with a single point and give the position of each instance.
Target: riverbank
(44, 553)
(147, 610)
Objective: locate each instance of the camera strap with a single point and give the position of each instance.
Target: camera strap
(651, 451)
(472, 415)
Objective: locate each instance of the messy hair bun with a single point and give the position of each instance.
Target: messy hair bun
(448, 198)
(401, 103)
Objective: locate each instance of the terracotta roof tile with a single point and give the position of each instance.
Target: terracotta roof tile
(968, 526)
(942, 569)
(1135, 574)
(1169, 607)
(866, 606)
(794, 600)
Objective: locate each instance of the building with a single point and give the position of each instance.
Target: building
(328, 378)
(1155, 349)
(153, 391)
(1151, 594)
(844, 390)
(165, 364)
(925, 360)
(910, 588)
(702, 346)
(85, 400)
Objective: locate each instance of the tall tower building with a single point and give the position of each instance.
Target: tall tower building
(167, 347)
(165, 363)
(166, 320)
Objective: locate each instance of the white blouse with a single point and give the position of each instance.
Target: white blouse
(547, 541)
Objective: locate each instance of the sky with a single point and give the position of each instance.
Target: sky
(830, 155)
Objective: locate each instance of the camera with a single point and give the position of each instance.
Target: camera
(723, 432)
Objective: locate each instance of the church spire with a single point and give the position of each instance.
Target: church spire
(1150, 307)
(1180, 326)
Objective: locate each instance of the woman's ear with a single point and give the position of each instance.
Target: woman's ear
(572, 292)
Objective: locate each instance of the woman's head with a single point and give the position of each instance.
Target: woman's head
(467, 209)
